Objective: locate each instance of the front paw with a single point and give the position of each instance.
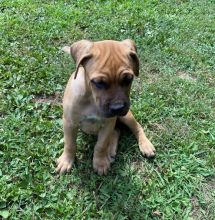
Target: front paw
(101, 165)
(147, 148)
(64, 163)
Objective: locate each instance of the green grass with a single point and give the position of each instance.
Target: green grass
(174, 99)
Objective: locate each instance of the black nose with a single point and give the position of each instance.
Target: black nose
(117, 108)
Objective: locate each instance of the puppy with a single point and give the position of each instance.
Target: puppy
(96, 95)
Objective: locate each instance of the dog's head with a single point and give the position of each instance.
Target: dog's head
(110, 67)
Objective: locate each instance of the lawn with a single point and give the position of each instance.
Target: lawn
(173, 98)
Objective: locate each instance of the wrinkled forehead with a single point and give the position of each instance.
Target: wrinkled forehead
(110, 56)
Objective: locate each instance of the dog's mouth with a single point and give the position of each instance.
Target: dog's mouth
(111, 115)
(115, 113)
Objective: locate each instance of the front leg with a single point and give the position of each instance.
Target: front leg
(145, 145)
(101, 157)
(65, 161)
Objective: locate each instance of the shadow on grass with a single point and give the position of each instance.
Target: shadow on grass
(121, 193)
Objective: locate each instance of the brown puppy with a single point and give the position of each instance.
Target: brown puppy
(96, 95)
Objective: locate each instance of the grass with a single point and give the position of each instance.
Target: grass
(173, 99)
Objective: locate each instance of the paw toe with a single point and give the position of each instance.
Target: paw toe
(101, 166)
(64, 164)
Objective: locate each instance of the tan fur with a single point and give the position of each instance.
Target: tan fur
(87, 107)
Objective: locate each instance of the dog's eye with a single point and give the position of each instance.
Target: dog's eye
(127, 80)
(99, 84)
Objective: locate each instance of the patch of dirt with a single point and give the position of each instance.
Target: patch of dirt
(152, 75)
(205, 209)
(178, 126)
(151, 78)
(138, 165)
(196, 213)
(185, 76)
(157, 126)
(54, 99)
(207, 190)
(147, 76)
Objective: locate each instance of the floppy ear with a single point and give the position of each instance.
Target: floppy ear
(80, 52)
(133, 55)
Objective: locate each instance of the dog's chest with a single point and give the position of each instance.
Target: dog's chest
(90, 121)
(91, 124)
